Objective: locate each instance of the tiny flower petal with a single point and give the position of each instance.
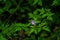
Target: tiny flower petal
(33, 22)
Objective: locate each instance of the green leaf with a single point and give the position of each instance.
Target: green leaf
(2, 38)
(7, 6)
(50, 18)
(46, 28)
(35, 12)
(36, 31)
(42, 11)
(31, 30)
(42, 24)
(56, 2)
(40, 2)
(1, 10)
(20, 25)
(30, 15)
(39, 29)
(12, 11)
(33, 37)
(44, 15)
(35, 1)
(30, 2)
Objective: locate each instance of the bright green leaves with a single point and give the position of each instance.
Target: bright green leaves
(43, 26)
(50, 18)
(56, 2)
(39, 29)
(35, 12)
(43, 17)
(46, 28)
(34, 2)
(42, 11)
(2, 37)
(9, 30)
(6, 29)
(19, 25)
(44, 14)
(49, 15)
(34, 15)
(40, 2)
(30, 15)
(33, 30)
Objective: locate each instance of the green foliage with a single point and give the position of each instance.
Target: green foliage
(2, 38)
(17, 15)
(56, 2)
(34, 2)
